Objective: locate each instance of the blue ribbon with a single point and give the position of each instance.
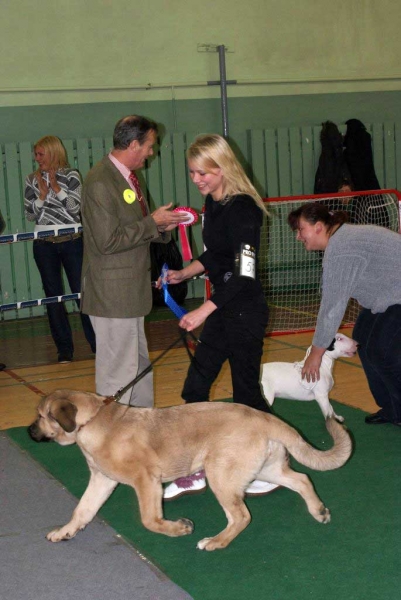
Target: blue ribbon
(171, 303)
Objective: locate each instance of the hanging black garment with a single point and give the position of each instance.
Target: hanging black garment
(359, 156)
(170, 254)
(332, 172)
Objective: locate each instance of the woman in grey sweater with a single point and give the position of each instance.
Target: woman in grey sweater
(361, 262)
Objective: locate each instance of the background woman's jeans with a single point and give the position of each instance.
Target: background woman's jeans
(50, 258)
(379, 336)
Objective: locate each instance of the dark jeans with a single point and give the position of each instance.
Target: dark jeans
(50, 258)
(380, 353)
(237, 337)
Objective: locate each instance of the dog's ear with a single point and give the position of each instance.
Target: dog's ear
(331, 347)
(64, 412)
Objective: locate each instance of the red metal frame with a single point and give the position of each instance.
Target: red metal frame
(339, 195)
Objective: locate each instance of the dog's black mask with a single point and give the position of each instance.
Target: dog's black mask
(331, 347)
(36, 434)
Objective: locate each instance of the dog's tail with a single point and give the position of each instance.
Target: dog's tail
(321, 460)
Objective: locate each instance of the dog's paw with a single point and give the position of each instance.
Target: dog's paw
(214, 543)
(58, 535)
(339, 418)
(203, 544)
(187, 526)
(324, 515)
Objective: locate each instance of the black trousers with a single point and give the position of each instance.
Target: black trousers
(380, 353)
(236, 337)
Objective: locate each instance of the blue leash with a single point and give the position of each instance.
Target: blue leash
(177, 310)
(168, 299)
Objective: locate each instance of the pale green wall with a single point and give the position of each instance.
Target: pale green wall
(75, 51)
(72, 68)
(29, 123)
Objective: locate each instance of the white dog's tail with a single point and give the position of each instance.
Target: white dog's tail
(321, 460)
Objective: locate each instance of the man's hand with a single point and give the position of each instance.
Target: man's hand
(311, 368)
(166, 220)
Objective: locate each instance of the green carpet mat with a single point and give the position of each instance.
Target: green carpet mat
(284, 554)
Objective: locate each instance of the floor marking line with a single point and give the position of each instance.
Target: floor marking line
(31, 387)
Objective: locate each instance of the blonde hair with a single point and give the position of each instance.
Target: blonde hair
(55, 150)
(211, 151)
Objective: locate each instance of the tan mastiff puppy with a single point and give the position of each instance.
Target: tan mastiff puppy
(144, 447)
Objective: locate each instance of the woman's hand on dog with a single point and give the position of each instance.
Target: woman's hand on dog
(311, 368)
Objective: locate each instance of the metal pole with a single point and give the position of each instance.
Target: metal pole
(223, 88)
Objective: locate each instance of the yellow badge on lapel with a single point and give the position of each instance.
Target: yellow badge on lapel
(129, 196)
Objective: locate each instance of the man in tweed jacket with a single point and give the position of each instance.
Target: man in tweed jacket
(116, 286)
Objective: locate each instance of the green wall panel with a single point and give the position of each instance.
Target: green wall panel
(96, 120)
(280, 160)
(307, 153)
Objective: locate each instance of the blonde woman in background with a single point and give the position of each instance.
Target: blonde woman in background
(53, 201)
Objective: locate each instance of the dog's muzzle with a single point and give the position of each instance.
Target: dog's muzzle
(36, 434)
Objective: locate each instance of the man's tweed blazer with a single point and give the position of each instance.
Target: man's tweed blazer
(116, 264)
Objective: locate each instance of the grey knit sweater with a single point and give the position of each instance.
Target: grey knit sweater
(361, 262)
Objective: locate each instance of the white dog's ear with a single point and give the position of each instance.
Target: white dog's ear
(64, 412)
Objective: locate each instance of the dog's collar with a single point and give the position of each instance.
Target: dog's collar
(106, 401)
(109, 400)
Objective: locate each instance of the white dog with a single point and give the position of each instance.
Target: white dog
(284, 380)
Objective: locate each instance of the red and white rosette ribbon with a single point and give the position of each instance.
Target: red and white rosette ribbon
(182, 229)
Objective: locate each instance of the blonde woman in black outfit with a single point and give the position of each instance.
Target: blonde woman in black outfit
(236, 315)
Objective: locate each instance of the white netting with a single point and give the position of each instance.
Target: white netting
(291, 276)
